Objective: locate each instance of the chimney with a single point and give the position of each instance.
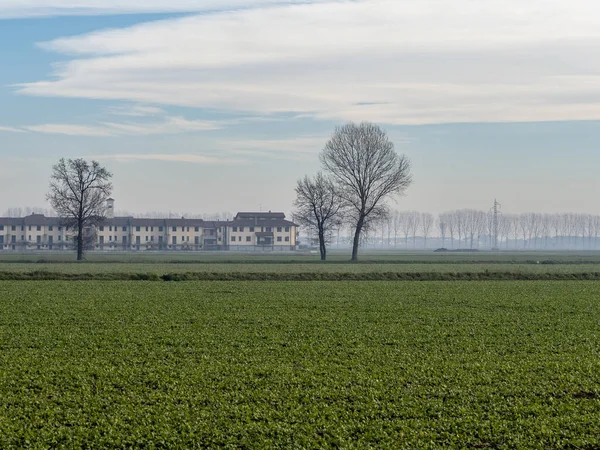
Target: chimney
(110, 208)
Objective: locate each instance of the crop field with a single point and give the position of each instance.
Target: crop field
(216, 364)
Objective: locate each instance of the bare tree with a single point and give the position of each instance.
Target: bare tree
(443, 226)
(426, 224)
(367, 170)
(413, 222)
(318, 208)
(78, 193)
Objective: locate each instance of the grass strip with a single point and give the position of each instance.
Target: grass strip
(301, 276)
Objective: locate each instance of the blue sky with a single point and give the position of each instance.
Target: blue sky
(199, 106)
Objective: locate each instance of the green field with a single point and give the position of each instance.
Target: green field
(300, 365)
(336, 256)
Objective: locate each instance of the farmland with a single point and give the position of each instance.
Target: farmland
(510, 364)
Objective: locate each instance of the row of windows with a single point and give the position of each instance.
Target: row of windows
(262, 229)
(13, 239)
(38, 228)
(249, 239)
(151, 229)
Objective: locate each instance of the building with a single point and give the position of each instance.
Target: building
(248, 231)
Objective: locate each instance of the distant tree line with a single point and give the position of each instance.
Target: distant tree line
(474, 229)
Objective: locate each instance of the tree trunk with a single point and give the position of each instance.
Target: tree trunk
(80, 241)
(357, 232)
(322, 247)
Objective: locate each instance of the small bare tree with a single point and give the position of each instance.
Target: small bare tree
(78, 193)
(427, 221)
(367, 171)
(318, 208)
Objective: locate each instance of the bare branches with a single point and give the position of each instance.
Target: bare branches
(78, 193)
(318, 208)
(366, 169)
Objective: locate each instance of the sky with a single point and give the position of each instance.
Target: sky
(202, 106)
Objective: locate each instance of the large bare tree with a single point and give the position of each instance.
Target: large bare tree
(78, 193)
(318, 208)
(367, 170)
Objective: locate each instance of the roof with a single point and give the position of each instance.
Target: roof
(260, 215)
(261, 223)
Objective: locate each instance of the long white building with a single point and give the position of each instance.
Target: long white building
(247, 231)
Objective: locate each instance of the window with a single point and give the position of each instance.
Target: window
(152, 238)
(152, 229)
(241, 229)
(235, 229)
(39, 239)
(146, 238)
(50, 228)
(278, 238)
(174, 239)
(137, 228)
(287, 229)
(110, 238)
(251, 229)
(110, 228)
(13, 239)
(22, 238)
(269, 230)
(13, 228)
(239, 239)
(196, 229)
(39, 228)
(59, 238)
(29, 237)
(101, 228)
(160, 229)
(124, 228)
(183, 229)
(279, 229)
(1, 227)
(287, 239)
(232, 238)
(188, 229)
(248, 239)
(29, 227)
(174, 228)
(146, 229)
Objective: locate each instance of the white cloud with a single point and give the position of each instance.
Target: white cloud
(181, 158)
(71, 130)
(40, 8)
(11, 130)
(390, 61)
(169, 125)
(136, 111)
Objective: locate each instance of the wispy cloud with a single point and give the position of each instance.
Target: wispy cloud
(179, 158)
(11, 130)
(71, 130)
(136, 111)
(390, 61)
(41, 8)
(167, 125)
